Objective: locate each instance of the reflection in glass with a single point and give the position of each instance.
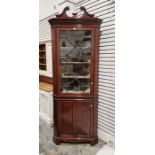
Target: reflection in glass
(75, 48)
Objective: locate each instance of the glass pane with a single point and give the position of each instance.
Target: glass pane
(75, 51)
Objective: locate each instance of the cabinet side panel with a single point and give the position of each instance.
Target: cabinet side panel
(54, 59)
(96, 71)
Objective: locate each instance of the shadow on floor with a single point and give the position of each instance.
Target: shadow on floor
(47, 147)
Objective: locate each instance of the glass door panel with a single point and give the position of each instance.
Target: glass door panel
(75, 60)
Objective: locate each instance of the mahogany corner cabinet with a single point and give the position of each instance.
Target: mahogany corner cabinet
(75, 48)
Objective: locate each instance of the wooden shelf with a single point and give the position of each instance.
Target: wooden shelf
(86, 37)
(79, 77)
(42, 57)
(75, 62)
(77, 92)
(45, 86)
(41, 51)
(42, 67)
(42, 64)
(71, 47)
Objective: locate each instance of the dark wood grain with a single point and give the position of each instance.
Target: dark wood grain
(46, 79)
(65, 118)
(83, 115)
(64, 19)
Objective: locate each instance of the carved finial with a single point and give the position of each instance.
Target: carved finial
(85, 14)
(63, 14)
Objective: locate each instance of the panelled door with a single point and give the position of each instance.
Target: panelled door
(83, 121)
(64, 118)
(74, 118)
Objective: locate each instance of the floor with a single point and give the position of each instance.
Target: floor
(47, 147)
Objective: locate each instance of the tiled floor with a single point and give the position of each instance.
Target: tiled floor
(47, 147)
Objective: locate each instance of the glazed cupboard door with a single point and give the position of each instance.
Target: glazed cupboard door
(75, 63)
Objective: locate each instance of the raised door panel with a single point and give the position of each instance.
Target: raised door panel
(83, 117)
(64, 118)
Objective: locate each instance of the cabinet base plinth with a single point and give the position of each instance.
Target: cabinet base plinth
(58, 140)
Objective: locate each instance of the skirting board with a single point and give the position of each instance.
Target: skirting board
(106, 137)
(45, 118)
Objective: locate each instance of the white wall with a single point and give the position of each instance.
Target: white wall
(105, 9)
(47, 7)
(63, 5)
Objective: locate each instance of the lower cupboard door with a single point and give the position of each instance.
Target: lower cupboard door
(83, 117)
(64, 118)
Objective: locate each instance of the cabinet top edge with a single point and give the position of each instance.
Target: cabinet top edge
(86, 18)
